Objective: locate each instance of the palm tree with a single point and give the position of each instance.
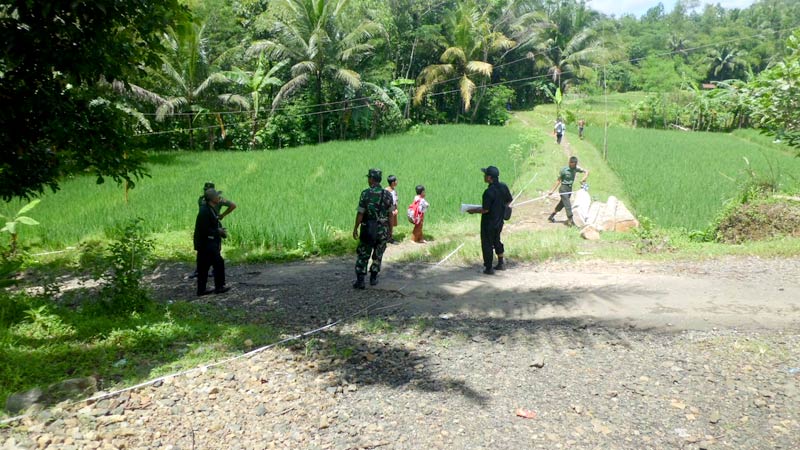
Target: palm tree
(568, 44)
(472, 41)
(255, 83)
(186, 77)
(726, 63)
(314, 37)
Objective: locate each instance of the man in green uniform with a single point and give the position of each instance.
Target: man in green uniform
(564, 183)
(372, 228)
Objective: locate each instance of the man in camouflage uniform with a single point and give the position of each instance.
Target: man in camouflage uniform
(372, 228)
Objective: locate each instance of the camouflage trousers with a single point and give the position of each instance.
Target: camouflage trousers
(365, 251)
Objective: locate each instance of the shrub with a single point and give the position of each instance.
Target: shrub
(127, 258)
(494, 109)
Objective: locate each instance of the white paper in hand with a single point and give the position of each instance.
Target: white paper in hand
(466, 207)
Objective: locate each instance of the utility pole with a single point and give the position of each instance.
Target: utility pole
(605, 129)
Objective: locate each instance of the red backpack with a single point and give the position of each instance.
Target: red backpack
(413, 213)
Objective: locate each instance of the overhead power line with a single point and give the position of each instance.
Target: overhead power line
(499, 83)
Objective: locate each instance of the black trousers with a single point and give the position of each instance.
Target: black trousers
(490, 241)
(210, 257)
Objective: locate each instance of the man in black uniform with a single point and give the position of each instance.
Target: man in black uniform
(208, 234)
(496, 198)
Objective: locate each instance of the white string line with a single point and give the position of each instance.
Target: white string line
(523, 189)
(205, 367)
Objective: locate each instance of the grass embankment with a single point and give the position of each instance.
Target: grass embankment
(292, 203)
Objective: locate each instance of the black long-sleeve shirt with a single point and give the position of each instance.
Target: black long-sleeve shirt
(206, 229)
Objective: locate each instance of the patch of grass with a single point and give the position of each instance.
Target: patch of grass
(374, 325)
(43, 343)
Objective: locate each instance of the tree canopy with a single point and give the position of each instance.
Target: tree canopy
(53, 56)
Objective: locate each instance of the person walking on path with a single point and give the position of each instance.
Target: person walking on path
(566, 178)
(496, 198)
(208, 235)
(416, 214)
(392, 189)
(371, 228)
(581, 126)
(559, 130)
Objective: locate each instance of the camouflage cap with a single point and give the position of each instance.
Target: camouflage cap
(375, 174)
(208, 185)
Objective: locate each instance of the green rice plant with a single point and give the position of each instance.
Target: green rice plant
(683, 179)
(292, 203)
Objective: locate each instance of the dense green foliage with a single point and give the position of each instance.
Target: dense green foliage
(52, 58)
(776, 95)
(683, 180)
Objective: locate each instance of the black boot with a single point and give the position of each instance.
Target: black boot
(359, 283)
(501, 264)
(552, 218)
(373, 278)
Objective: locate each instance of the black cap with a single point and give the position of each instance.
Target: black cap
(492, 171)
(375, 174)
(211, 194)
(208, 185)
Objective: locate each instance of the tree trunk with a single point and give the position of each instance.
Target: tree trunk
(191, 132)
(320, 123)
(477, 104)
(253, 133)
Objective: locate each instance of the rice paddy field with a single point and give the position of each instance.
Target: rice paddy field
(300, 200)
(682, 180)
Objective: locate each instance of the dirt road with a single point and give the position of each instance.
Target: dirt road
(640, 356)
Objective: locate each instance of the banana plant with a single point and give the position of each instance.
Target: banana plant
(18, 219)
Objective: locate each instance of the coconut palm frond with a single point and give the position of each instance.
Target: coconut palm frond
(170, 107)
(349, 77)
(272, 49)
(137, 92)
(454, 54)
(436, 72)
(467, 88)
(175, 75)
(234, 100)
(480, 67)
(303, 67)
(421, 92)
(214, 78)
(289, 88)
(365, 31)
(356, 51)
(140, 118)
